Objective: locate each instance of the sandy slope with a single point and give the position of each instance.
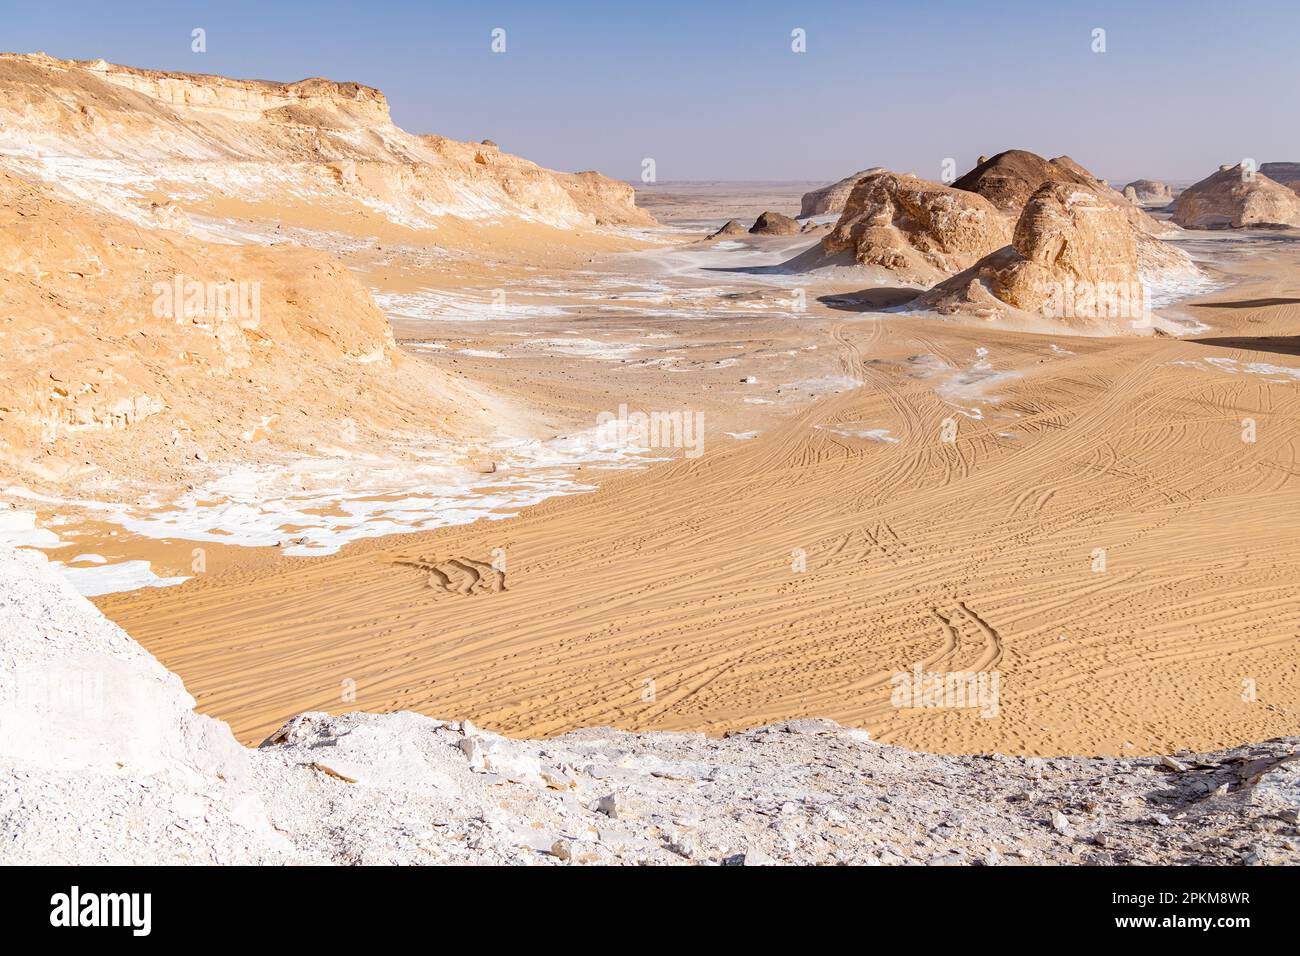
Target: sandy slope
(976, 555)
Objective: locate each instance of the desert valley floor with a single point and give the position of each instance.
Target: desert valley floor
(1111, 527)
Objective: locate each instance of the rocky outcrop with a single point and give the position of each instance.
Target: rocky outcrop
(1235, 197)
(119, 338)
(1148, 192)
(102, 760)
(1075, 261)
(914, 228)
(830, 200)
(610, 202)
(105, 133)
(732, 227)
(774, 224)
(1010, 178)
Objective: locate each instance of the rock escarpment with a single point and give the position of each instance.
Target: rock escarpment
(103, 761)
(917, 229)
(119, 338)
(113, 134)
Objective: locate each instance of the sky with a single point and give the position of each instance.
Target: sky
(714, 91)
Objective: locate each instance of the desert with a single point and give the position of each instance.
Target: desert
(374, 496)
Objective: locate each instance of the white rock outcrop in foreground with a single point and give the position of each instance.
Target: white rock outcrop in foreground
(102, 760)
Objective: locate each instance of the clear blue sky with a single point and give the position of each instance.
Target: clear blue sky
(713, 91)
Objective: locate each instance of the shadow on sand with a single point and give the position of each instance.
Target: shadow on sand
(1280, 344)
(869, 300)
(1245, 303)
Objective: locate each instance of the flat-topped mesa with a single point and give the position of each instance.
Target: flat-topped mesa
(1235, 197)
(830, 200)
(1075, 260)
(919, 230)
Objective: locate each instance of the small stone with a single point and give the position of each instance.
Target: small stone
(562, 850)
(555, 780)
(608, 805)
(685, 846)
(1173, 764)
(1060, 823)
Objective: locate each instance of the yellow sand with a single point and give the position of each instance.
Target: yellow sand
(674, 598)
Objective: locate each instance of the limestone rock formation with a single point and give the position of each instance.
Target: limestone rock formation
(1148, 192)
(1234, 197)
(1008, 179)
(830, 200)
(916, 229)
(109, 324)
(101, 131)
(774, 224)
(1075, 260)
